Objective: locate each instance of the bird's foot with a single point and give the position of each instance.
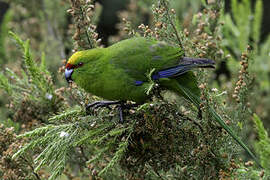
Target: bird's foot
(120, 111)
(120, 106)
(123, 106)
(99, 104)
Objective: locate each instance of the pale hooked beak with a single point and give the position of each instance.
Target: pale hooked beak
(68, 73)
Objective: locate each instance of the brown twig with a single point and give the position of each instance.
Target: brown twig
(86, 32)
(172, 24)
(83, 154)
(32, 168)
(196, 123)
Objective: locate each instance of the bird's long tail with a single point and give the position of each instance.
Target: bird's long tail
(198, 62)
(180, 85)
(185, 65)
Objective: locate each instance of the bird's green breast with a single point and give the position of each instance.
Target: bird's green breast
(111, 83)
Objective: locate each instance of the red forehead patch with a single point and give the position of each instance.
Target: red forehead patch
(69, 66)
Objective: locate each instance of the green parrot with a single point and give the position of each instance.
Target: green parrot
(121, 72)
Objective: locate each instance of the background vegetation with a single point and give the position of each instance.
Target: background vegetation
(45, 132)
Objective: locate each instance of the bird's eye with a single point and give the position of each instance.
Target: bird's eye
(80, 64)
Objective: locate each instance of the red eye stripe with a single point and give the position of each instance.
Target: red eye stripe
(72, 66)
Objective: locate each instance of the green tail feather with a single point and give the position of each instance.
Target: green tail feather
(186, 85)
(196, 100)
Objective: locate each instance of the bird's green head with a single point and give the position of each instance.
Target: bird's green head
(79, 62)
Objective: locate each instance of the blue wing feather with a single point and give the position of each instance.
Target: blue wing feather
(186, 65)
(173, 71)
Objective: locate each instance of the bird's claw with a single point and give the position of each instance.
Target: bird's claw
(99, 104)
(120, 110)
(120, 106)
(106, 104)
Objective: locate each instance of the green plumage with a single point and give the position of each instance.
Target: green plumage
(120, 71)
(111, 72)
